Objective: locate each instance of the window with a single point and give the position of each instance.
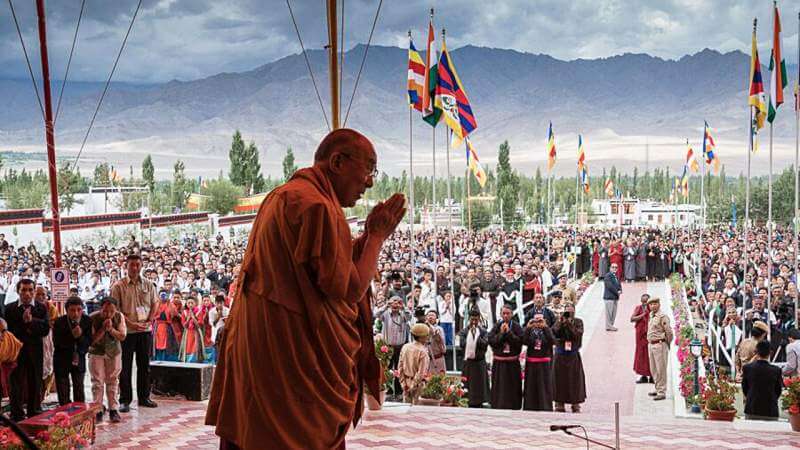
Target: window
(660, 219)
(649, 217)
(614, 208)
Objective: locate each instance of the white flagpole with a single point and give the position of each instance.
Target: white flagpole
(434, 214)
(448, 135)
(411, 181)
(796, 174)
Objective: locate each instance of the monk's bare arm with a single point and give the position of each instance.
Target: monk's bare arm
(365, 266)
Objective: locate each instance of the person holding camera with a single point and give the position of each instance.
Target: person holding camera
(71, 339)
(538, 369)
(474, 342)
(569, 378)
(505, 338)
(105, 356)
(475, 301)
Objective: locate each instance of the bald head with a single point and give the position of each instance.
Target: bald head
(348, 160)
(343, 140)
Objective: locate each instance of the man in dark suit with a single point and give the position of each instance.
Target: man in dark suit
(611, 293)
(71, 339)
(29, 322)
(761, 385)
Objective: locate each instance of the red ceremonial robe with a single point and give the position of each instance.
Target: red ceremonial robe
(641, 360)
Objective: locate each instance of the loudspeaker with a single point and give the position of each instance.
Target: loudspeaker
(191, 380)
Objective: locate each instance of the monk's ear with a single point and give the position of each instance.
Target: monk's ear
(336, 163)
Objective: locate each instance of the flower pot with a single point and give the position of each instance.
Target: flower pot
(429, 401)
(794, 421)
(726, 416)
(374, 405)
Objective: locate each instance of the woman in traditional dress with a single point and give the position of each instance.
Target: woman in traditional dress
(630, 261)
(538, 365)
(192, 343)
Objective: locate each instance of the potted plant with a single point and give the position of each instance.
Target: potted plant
(433, 392)
(790, 401)
(384, 352)
(58, 436)
(718, 398)
(453, 392)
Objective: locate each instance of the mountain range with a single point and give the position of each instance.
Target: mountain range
(632, 109)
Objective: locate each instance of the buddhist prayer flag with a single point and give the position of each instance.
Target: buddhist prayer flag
(551, 148)
(756, 99)
(685, 183)
(691, 161)
(474, 164)
(416, 77)
(609, 187)
(777, 69)
(708, 149)
(430, 112)
(452, 99)
(585, 178)
(581, 153)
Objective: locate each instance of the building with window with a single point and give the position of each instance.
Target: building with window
(633, 212)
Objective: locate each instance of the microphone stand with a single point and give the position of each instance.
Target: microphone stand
(18, 431)
(588, 440)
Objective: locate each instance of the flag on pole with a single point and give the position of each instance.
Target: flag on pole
(708, 149)
(756, 99)
(551, 148)
(609, 187)
(585, 178)
(475, 165)
(777, 69)
(691, 161)
(113, 175)
(581, 153)
(685, 183)
(452, 99)
(416, 77)
(430, 112)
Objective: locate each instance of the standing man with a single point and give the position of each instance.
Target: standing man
(569, 379)
(414, 363)
(792, 354)
(395, 325)
(641, 358)
(538, 369)
(761, 385)
(505, 338)
(139, 306)
(474, 343)
(29, 322)
(659, 335)
(611, 293)
(105, 356)
(300, 331)
(71, 339)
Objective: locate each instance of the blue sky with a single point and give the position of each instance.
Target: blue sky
(188, 39)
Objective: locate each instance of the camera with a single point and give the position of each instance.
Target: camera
(567, 314)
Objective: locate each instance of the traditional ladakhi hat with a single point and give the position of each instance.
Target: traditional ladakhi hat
(420, 330)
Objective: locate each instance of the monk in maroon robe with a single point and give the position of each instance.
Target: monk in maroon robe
(615, 257)
(298, 350)
(641, 360)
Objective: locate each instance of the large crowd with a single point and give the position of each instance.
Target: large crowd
(492, 298)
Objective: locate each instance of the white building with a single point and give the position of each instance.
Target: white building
(438, 215)
(643, 213)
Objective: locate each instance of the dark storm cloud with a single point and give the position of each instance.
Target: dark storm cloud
(187, 39)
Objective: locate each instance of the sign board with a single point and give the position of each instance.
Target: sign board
(59, 284)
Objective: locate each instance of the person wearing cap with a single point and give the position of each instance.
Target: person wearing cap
(746, 350)
(568, 294)
(612, 291)
(413, 363)
(474, 342)
(71, 338)
(659, 336)
(569, 379)
(510, 294)
(505, 338)
(105, 355)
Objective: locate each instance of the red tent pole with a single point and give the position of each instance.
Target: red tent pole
(50, 133)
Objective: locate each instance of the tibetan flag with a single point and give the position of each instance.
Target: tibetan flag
(777, 69)
(475, 165)
(430, 112)
(708, 149)
(691, 161)
(685, 183)
(416, 77)
(756, 99)
(585, 178)
(551, 148)
(581, 153)
(609, 187)
(452, 99)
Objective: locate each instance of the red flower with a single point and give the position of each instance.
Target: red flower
(61, 419)
(794, 409)
(83, 442)
(384, 349)
(5, 437)
(787, 382)
(43, 436)
(463, 379)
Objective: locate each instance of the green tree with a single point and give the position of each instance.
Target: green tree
(102, 174)
(507, 186)
(236, 155)
(253, 179)
(288, 165)
(69, 183)
(148, 173)
(222, 196)
(181, 187)
(26, 194)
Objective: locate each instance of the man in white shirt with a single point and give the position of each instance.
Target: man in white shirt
(792, 367)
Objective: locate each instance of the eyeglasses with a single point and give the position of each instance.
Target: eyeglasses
(373, 173)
